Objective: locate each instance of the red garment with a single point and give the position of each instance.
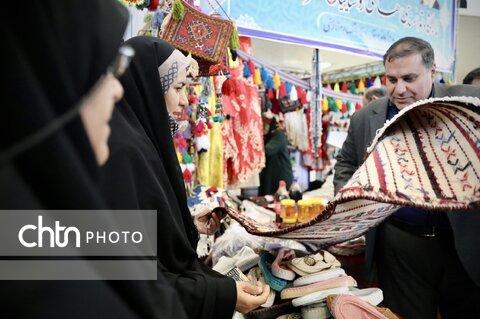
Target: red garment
(244, 153)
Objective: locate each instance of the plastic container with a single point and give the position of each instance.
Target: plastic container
(303, 210)
(288, 211)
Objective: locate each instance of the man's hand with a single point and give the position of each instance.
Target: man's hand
(250, 297)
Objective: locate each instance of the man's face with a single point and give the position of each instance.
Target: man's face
(408, 80)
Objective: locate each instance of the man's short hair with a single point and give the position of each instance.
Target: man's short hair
(408, 46)
(472, 75)
(374, 91)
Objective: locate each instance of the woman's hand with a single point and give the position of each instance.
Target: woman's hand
(207, 221)
(250, 297)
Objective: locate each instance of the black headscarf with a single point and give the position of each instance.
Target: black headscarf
(143, 173)
(52, 53)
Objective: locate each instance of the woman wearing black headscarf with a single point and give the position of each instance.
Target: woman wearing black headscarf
(143, 173)
(53, 54)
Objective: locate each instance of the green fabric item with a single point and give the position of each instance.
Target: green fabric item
(178, 10)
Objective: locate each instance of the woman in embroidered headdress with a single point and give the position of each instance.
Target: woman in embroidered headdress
(143, 173)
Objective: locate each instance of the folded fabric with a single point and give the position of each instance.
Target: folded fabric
(348, 306)
(245, 259)
(318, 296)
(311, 264)
(294, 292)
(277, 284)
(316, 311)
(278, 267)
(319, 276)
(257, 275)
(373, 296)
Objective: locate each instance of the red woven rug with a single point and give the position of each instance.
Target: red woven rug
(204, 36)
(428, 156)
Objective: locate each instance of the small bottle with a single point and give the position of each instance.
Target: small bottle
(295, 191)
(279, 195)
(288, 212)
(304, 207)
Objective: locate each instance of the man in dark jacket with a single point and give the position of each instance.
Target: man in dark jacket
(425, 262)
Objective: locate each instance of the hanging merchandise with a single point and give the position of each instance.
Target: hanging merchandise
(369, 83)
(297, 129)
(288, 105)
(276, 81)
(293, 94)
(257, 80)
(282, 90)
(246, 71)
(336, 87)
(361, 86)
(377, 83)
(206, 37)
(210, 164)
(244, 154)
(352, 88)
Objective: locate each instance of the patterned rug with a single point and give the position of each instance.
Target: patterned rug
(428, 156)
(204, 36)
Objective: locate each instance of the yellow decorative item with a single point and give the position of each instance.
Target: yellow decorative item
(338, 103)
(257, 79)
(276, 80)
(336, 87)
(325, 104)
(179, 158)
(361, 86)
(210, 164)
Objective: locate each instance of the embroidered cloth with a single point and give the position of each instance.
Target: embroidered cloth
(204, 36)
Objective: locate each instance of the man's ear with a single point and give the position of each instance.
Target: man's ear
(434, 67)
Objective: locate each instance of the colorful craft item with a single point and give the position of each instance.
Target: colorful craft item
(205, 36)
(336, 87)
(361, 86)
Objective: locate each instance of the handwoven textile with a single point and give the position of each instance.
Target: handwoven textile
(204, 36)
(427, 156)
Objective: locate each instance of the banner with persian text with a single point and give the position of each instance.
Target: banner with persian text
(366, 27)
